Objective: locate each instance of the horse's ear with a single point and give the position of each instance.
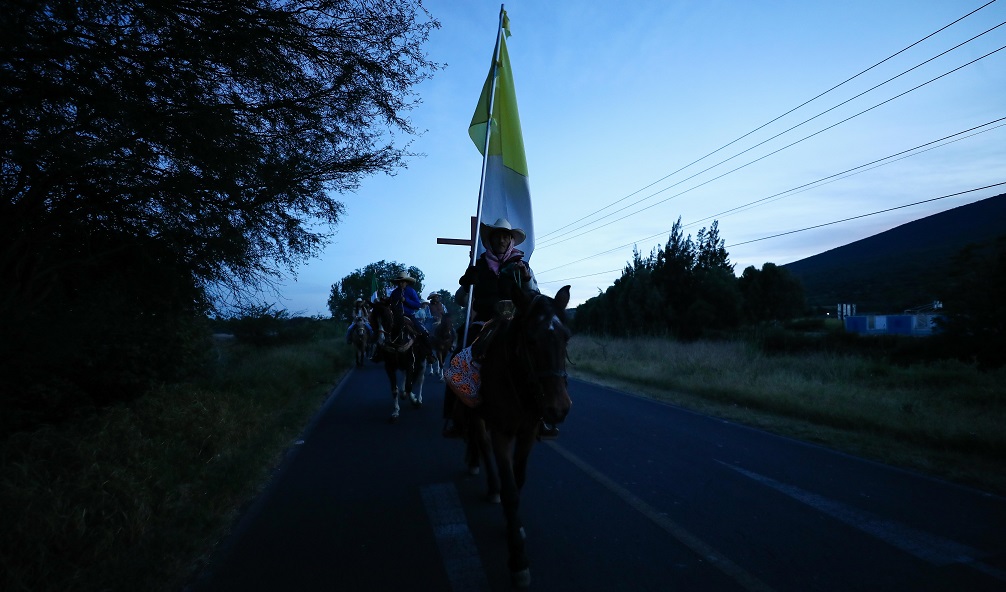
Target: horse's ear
(562, 297)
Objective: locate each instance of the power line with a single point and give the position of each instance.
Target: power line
(865, 215)
(775, 151)
(773, 120)
(785, 233)
(903, 152)
(849, 172)
(579, 277)
(556, 241)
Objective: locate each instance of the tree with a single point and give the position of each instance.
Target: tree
(210, 139)
(359, 284)
(973, 324)
(771, 294)
(225, 130)
(710, 252)
(673, 274)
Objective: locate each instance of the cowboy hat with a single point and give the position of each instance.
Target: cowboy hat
(433, 295)
(501, 224)
(404, 277)
(359, 299)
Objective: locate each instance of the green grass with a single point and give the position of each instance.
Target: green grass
(944, 418)
(135, 498)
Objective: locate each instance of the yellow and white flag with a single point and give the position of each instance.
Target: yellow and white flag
(506, 193)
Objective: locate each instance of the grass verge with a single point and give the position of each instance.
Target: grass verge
(945, 419)
(137, 496)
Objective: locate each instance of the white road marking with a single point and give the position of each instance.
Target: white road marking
(703, 549)
(457, 547)
(928, 547)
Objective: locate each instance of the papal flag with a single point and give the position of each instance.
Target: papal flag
(506, 192)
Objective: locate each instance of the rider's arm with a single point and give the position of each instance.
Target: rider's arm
(411, 298)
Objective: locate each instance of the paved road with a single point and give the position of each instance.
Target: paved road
(635, 495)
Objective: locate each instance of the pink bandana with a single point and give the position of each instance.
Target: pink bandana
(494, 262)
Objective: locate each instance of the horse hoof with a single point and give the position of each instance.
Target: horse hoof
(522, 578)
(393, 419)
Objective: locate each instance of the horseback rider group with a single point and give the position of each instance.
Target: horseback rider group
(498, 273)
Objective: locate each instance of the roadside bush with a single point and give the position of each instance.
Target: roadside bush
(101, 331)
(260, 325)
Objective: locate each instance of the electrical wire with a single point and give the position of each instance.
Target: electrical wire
(555, 241)
(915, 151)
(783, 233)
(775, 119)
(865, 215)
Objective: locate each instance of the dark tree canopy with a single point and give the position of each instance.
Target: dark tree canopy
(225, 129)
(972, 325)
(771, 294)
(154, 155)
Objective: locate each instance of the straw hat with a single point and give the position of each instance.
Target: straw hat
(501, 224)
(404, 277)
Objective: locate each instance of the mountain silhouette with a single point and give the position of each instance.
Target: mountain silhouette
(907, 266)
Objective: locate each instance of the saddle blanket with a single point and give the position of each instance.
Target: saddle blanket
(462, 376)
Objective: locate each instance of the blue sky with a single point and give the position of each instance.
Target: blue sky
(614, 97)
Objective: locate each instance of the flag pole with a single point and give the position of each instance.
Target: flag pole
(482, 181)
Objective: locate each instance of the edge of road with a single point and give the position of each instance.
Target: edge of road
(247, 514)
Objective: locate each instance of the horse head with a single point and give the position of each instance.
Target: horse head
(382, 321)
(540, 345)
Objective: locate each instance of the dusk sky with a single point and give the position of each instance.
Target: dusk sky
(637, 113)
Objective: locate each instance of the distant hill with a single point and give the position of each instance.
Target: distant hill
(903, 267)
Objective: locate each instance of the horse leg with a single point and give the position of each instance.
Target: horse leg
(518, 563)
(389, 369)
(479, 438)
(418, 377)
(522, 450)
(438, 365)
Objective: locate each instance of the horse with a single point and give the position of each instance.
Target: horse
(523, 381)
(359, 336)
(402, 352)
(443, 339)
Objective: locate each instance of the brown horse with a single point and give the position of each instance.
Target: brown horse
(359, 335)
(443, 338)
(402, 352)
(524, 381)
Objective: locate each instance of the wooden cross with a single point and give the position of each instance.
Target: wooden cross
(470, 242)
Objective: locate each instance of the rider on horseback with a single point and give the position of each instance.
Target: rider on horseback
(359, 316)
(498, 272)
(406, 295)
